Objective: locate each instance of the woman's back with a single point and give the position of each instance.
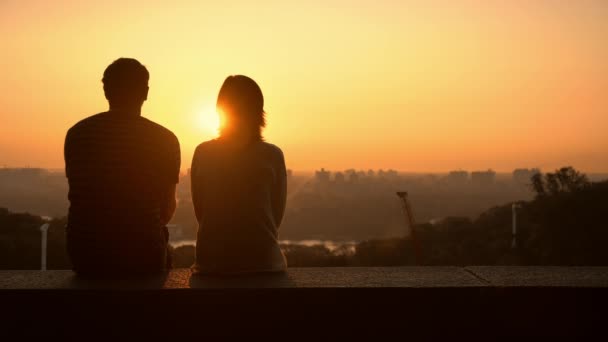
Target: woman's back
(238, 194)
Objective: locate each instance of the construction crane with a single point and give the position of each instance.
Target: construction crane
(514, 208)
(409, 222)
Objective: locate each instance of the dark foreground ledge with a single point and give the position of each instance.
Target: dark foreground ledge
(471, 302)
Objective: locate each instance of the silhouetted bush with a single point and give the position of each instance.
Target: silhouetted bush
(306, 256)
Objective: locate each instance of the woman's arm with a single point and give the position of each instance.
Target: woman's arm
(280, 191)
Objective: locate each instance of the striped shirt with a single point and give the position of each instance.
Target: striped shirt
(119, 169)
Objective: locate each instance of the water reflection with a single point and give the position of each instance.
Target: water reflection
(331, 245)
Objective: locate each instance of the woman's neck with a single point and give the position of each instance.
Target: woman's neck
(239, 139)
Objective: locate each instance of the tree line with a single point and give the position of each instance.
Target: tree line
(564, 224)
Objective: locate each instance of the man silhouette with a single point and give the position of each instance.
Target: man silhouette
(122, 170)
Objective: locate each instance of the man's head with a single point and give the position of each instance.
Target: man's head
(125, 83)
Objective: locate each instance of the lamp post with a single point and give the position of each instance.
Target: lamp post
(44, 231)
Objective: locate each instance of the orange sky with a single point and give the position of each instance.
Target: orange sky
(408, 85)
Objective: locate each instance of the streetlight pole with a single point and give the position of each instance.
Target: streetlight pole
(44, 231)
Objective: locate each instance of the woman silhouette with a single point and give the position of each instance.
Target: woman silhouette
(239, 188)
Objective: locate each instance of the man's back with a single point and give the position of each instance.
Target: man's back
(118, 167)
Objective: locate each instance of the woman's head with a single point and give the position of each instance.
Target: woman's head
(241, 107)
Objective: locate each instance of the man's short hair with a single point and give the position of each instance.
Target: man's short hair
(125, 81)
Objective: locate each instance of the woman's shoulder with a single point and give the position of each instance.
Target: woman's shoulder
(272, 148)
(261, 148)
(273, 151)
(206, 146)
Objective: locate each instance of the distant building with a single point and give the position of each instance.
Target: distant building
(391, 174)
(339, 177)
(23, 172)
(523, 176)
(458, 177)
(483, 178)
(353, 177)
(322, 176)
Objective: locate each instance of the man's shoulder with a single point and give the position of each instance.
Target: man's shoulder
(86, 122)
(159, 130)
(98, 121)
(164, 134)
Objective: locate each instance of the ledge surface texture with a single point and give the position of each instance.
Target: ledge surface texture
(477, 302)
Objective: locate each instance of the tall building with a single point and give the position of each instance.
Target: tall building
(322, 176)
(339, 178)
(353, 177)
(523, 176)
(483, 178)
(458, 177)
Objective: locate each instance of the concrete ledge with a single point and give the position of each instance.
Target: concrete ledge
(472, 302)
(331, 277)
(362, 277)
(547, 276)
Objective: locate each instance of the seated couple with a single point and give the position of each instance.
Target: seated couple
(122, 171)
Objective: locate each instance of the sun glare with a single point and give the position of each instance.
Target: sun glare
(209, 121)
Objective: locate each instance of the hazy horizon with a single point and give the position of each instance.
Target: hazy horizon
(311, 172)
(419, 86)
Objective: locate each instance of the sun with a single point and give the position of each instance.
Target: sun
(209, 121)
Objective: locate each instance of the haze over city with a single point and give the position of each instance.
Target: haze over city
(421, 86)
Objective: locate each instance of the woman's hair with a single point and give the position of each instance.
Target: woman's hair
(242, 103)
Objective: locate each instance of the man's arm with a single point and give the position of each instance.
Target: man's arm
(172, 164)
(195, 186)
(169, 205)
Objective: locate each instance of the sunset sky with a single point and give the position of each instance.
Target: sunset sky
(423, 86)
